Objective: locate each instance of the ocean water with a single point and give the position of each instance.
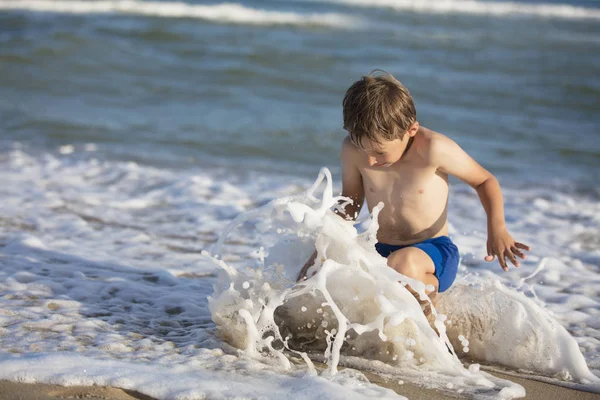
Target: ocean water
(133, 132)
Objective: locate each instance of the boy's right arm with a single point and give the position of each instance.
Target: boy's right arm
(352, 187)
(352, 184)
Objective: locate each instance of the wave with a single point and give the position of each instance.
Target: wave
(473, 7)
(223, 12)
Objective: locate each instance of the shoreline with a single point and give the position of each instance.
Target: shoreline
(10, 390)
(535, 390)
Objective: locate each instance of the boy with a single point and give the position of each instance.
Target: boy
(388, 157)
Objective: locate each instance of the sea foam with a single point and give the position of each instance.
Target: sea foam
(473, 7)
(102, 283)
(223, 12)
(355, 308)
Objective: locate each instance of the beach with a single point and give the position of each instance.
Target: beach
(26, 391)
(155, 160)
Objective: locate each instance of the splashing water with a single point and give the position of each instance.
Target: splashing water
(356, 311)
(504, 327)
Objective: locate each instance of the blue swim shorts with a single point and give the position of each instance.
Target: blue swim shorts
(442, 251)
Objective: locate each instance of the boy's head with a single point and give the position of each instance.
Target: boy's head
(378, 108)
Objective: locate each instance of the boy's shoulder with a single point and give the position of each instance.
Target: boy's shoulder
(347, 142)
(432, 139)
(349, 149)
(430, 144)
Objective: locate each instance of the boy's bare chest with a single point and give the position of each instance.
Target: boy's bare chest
(404, 186)
(415, 202)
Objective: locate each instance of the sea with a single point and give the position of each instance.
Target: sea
(135, 134)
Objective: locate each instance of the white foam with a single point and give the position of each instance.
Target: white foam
(101, 258)
(89, 299)
(504, 327)
(354, 301)
(472, 7)
(210, 375)
(223, 12)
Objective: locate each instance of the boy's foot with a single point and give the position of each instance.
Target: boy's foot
(427, 311)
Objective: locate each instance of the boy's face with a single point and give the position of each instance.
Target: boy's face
(389, 152)
(384, 154)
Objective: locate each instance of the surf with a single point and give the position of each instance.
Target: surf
(222, 13)
(356, 311)
(481, 8)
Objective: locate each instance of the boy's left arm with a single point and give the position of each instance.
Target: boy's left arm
(453, 160)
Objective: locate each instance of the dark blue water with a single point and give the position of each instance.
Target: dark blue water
(519, 91)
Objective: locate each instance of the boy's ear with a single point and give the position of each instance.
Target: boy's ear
(412, 130)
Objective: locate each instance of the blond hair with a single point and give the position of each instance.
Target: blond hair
(378, 107)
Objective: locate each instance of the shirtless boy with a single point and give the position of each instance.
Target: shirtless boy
(388, 157)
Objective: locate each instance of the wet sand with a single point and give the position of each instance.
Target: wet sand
(38, 391)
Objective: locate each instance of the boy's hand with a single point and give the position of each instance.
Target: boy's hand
(501, 244)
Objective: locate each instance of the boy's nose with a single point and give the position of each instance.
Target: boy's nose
(372, 161)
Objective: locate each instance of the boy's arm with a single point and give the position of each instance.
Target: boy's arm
(352, 188)
(453, 160)
(352, 185)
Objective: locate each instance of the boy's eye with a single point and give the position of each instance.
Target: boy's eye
(379, 153)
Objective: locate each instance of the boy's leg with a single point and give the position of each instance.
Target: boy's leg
(415, 263)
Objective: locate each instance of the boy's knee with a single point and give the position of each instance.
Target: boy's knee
(412, 262)
(404, 262)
